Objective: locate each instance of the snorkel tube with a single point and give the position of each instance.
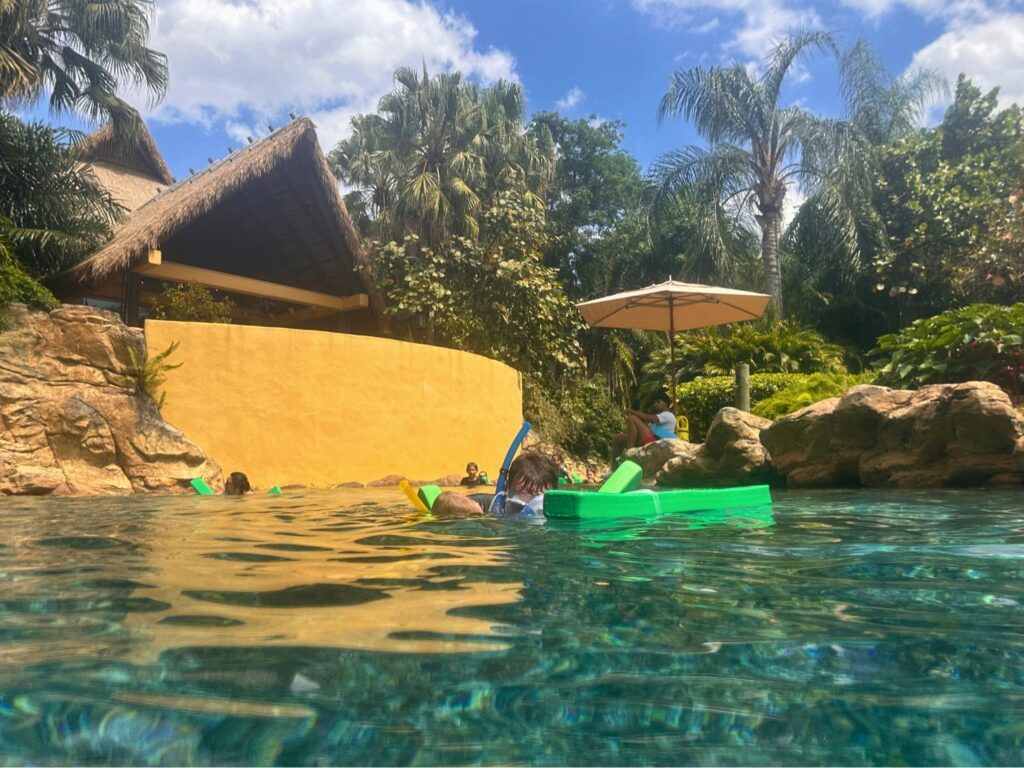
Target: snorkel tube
(499, 487)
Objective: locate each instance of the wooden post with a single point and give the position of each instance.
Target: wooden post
(131, 304)
(743, 387)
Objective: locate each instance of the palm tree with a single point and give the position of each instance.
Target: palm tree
(758, 148)
(82, 51)
(53, 210)
(435, 154)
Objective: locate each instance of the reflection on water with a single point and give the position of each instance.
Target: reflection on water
(335, 628)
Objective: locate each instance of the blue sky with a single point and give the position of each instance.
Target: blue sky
(238, 66)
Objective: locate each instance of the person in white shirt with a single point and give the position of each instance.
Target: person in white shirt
(643, 428)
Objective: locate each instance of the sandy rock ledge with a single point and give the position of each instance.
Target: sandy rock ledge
(71, 420)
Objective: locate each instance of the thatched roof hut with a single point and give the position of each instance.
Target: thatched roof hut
(133, 171)
(270, 213)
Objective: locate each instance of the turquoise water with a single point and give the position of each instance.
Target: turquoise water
(331, 628)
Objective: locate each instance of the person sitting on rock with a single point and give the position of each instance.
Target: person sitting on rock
(563, 473)
(644, 428)
(237, 484)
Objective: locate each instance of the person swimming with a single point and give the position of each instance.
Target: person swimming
(237, 484)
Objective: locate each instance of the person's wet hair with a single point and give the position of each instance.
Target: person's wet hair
(237, 484)
(532, 473)
(472, 465)
(451, 504)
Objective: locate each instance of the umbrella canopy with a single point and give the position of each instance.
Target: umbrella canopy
(673, 306)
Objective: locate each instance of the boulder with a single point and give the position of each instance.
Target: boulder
(731, 455)
(71, 419)
(653, 456)
(941, 435)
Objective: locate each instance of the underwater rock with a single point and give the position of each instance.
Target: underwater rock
(731, 455)
(71, 419)
(942, 435)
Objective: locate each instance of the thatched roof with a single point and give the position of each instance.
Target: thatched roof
(271, 210)
(140, 154)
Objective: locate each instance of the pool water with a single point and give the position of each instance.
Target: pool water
(335, 628)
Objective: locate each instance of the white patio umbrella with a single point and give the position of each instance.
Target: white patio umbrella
(672, 306)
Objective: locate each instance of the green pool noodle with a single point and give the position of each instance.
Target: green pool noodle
(201, 487)
(562, 481)
(275, 489)
(576, 478)
(428, 494)
(588, 505)
(624, 479)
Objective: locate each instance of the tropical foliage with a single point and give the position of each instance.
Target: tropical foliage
(758, 148)
(54, 210)
(192, 303)
(699, 400)
(81, 53)
(491, 294)
(150, 373)
(807, 390)
(577, 414)
(767, 346)
(981, 341)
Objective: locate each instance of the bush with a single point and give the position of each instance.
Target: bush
(17, 286)
(768, 346)
(193, 303)
(979, 342)
(699, 400)
(807, 390)
(579, 415)
(150, 373)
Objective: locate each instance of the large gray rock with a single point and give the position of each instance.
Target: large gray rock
(731, 455)
(942, 435)
(653, 456)
(71, 420)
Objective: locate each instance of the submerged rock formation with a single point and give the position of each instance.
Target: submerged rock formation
(941, 435)
(71, 419)
(731, 455)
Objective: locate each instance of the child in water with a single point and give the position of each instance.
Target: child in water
(529, 476)
(450, 505)
(237, 484)
(474, 476)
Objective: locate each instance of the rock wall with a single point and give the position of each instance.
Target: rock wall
(946, 435)
(71, 420)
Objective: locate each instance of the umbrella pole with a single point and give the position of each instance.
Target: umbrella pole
(672, 347)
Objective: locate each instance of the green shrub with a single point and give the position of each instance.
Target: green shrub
(807, 390)
(978, 342)
(767, 346)
(17, 286)
(151, 372)
(578, 415)
(193, 303)
(699, 400)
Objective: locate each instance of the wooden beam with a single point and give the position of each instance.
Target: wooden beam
(155, 266)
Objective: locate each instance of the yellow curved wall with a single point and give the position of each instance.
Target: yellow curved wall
(314, 408)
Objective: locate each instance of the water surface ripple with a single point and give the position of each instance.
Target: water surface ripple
(877, 628)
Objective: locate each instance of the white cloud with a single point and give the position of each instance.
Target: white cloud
(235, 61)
(930, 9)
(708, 26)
(990, 53)
(763, 22)
(573, 98)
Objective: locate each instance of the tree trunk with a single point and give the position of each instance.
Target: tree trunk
(770, 221)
